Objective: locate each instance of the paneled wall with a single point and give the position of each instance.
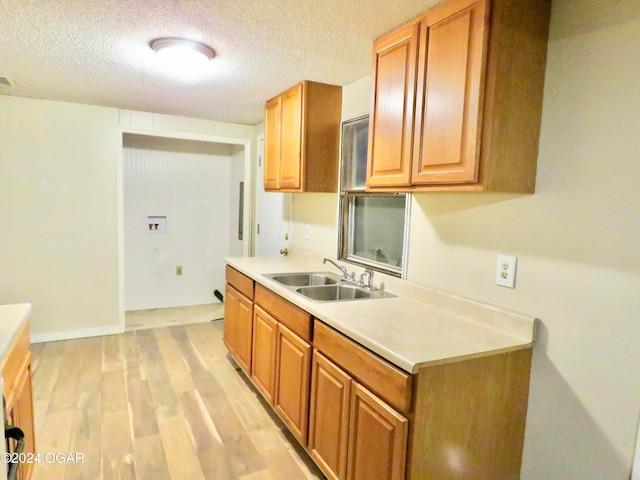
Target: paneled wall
(188, 185)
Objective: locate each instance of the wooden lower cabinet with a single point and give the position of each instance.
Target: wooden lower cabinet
(351, 409)
(21, 415)
(353, 434)
(264, 357)
(329, 417)
(16, 373)
(281, 370)
(238, 327)
(377, 438)
(468, 418)
(292, 382)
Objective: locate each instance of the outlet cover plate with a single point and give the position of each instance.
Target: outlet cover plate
(506, 271)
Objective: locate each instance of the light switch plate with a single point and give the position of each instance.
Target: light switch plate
(307, 232)
(506, 271)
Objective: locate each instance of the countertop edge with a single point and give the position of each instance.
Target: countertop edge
(12, 318)
(499, 351)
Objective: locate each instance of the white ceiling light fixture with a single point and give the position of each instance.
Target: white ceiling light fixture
(181, 52)
(6, 81)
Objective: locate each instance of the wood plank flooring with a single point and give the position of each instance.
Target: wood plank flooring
(164, 403)
(170, 316)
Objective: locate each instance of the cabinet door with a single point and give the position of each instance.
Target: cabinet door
(238, 318)
(272, 145)
(377, 438)
(292, 380)
(21, 415)
(329, 416)
(291, 161)
(230, 313)
(263, 361)
(391, 126)
(451, 67)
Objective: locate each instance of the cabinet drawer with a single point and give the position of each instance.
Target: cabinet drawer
(17, 355)
(288, 314)
(241, 282)
(387, 381)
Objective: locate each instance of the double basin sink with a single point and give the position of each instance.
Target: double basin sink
(325, 287)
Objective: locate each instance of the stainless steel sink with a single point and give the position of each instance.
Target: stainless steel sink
(336, 293)
(304, 279)
(325, 286)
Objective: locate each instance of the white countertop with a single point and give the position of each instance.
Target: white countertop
(419, 327)
(12, 317)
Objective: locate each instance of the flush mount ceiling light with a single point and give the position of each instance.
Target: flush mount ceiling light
(6, 81)
(183, 51)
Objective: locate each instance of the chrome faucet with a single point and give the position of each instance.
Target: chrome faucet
(349, 277)
(369, 273)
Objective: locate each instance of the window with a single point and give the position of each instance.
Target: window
(372, 225)
(353, 168)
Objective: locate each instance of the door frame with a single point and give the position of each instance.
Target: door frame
(248, 221)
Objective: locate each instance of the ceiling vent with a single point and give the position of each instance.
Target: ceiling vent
(6, 81)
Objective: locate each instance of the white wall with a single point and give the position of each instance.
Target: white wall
(59, 207)
(58, 227)
(319, 211)
(190, 183)
(576, 240)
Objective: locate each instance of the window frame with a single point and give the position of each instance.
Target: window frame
(346, 216)
(346, 222)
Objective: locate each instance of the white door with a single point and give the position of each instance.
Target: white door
(273, 211)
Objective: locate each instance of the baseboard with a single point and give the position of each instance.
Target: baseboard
(71, 334)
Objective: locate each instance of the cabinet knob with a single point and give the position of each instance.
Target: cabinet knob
(284, 251)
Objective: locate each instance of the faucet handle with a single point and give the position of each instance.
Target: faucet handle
(369, 284)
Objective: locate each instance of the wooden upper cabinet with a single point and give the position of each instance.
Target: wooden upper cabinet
(475, 114)
(272, 114)
(451, 66)
(391, 129)
(302, 136)
(290, 164)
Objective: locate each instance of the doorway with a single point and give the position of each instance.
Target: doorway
(180, 216)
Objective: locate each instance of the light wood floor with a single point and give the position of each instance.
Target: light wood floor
(169, 316)
(156, 404)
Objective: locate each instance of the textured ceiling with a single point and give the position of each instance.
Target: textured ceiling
(96, 52)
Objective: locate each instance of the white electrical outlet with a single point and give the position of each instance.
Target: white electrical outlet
(307, 232)
(506, 271)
